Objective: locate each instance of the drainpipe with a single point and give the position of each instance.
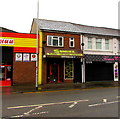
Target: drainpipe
(83, 60)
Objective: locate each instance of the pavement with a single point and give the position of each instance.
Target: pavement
(56, 87)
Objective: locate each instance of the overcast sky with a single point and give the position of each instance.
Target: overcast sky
(17, 15)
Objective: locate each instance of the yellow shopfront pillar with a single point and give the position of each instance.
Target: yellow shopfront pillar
(40, 62)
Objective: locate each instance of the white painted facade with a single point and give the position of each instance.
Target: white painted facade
(114, 47)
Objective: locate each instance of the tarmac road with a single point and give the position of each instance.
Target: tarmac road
(99, 102)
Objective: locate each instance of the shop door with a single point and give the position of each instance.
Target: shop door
(54, 73)
(77, 71)
(5, 75)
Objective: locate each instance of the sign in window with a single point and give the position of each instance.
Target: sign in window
(69, 69)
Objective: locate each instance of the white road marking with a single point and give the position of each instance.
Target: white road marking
(57, 103)
(27, 113)
(38, 106)
(71, 106)
(117, 96)
(16, 116)
(39, 113)
(93, 105)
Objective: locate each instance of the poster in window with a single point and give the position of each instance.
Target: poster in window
(26, 57)
(18, 57)
(33, 57)
(68, 69)
(116, 77)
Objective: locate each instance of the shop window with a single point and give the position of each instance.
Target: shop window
(119, 44)
(106, 44)
(55, 41)
(2, 74)
(89, 43)
(98, 43)
(71, 42)
(68, 69)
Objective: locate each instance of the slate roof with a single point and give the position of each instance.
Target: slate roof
(2, 29)
(52, 25)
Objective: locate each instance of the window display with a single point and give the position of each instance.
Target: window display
(68, 69)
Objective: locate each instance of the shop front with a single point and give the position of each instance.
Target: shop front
(16, 52)
(62, 65)
(6, 66)
(5, 75)
(101, 67)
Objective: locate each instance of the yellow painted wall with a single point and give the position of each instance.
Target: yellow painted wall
(20, 42)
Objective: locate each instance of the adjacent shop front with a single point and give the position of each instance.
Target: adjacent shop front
(17, 64)
(62, 65)
(102, 67)
(119, 69)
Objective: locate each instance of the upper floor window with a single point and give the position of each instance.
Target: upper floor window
(106, 44)
(89, 43)
(71, 42)
(55, 41)
(98, 43)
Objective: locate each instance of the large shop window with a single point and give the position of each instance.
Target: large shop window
(55, 41)
(69, 69)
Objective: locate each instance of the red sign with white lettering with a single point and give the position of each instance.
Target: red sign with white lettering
(7, 41)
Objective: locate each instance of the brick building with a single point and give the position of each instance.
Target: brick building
(97, 64)
(61, 53)
(17, 54)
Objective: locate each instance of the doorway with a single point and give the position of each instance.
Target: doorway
(55, 71)
(5, 75)
(6, 65)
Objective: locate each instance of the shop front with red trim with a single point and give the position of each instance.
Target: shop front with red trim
(17, 65)
(62, 65)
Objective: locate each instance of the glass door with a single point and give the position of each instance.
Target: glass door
(5, 75)
(2, 73)
(54, 73)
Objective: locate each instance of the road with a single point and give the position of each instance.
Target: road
(99, 102)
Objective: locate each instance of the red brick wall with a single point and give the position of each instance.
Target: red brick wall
(66, 45)
(23, 72)
(66, 38)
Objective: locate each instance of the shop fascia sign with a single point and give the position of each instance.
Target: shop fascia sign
(115, 58)
(6, 41)
(64, 52)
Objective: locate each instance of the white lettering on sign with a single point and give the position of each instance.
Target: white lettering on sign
(7, 41)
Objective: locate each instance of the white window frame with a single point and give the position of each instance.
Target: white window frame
(107, 42)
(57, 38)
(89, 38)
(71, 40)
(99, 42)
